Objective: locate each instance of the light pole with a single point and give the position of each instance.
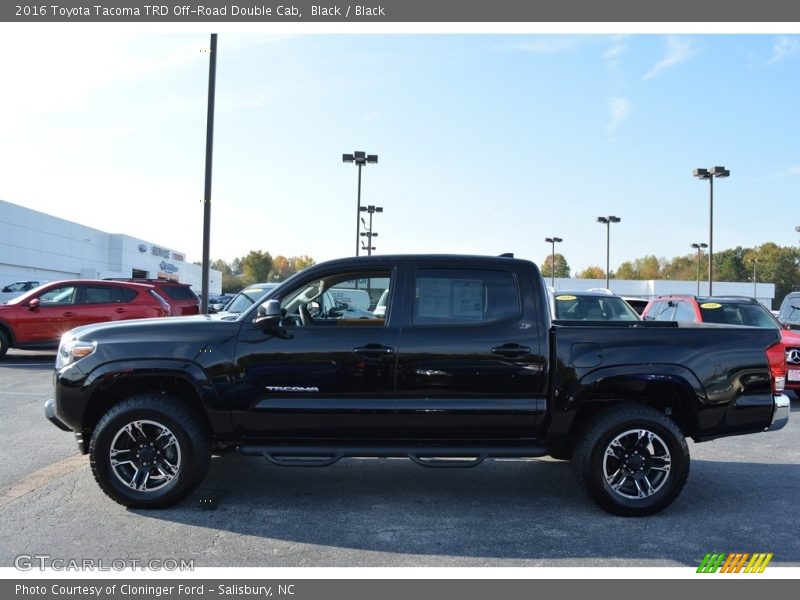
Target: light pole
(553, 241)
(368, 230)
(699, 247)
(755, 292)
(212, 87)
(360, 158)
(608, 221)
(710, 174)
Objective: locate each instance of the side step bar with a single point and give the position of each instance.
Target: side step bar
(426, 456)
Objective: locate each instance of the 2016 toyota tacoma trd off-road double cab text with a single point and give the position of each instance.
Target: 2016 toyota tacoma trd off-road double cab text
(461, 364)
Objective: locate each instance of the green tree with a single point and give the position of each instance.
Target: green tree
(729, 265)
(562, 268)
(684, 268)
(776, 264)
(256, 267)
(627, 270)
(230, 282)
(592, 273)
(648, 267)
(302, 262)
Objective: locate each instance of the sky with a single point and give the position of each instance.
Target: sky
(487, 143)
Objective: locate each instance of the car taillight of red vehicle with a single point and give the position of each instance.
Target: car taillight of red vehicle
(776, 355)
(165, 307)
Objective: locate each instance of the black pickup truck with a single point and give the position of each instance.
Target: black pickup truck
(462, 364)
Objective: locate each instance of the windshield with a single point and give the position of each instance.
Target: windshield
(790, 310)
(571, 307)
(753, 315)
(246, 298)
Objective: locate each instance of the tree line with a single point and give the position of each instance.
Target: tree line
(258, 267)
(773, 264)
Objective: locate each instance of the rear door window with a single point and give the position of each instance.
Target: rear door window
(464, 296)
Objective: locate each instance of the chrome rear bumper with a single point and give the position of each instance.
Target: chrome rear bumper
(780, 412)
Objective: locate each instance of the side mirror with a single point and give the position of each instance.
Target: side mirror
(7, 289)
(34, 304)
(269, 316)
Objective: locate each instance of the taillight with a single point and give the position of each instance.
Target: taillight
(776, 356)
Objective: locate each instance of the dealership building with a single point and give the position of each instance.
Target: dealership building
(38, 246)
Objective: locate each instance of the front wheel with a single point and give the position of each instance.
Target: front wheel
(4, 343)
(633, 460)
(149, 451)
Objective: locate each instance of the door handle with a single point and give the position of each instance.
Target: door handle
(511, 350)
(120, 310)
(374, 350)
(69, 314)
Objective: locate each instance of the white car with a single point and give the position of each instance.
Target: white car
(355, 299)
(12, 290)
(244, 300)
(380, 308)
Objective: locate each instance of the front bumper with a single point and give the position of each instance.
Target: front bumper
(780, 412)
(50, 413)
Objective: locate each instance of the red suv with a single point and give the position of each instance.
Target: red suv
(181, 298)
(729, 310)
(39, 318)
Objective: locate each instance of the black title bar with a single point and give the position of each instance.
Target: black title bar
(398, 11)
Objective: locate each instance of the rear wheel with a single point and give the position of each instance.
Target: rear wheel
(149, 451)
(633, 460)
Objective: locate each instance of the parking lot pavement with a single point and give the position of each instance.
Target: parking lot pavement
(741, 497)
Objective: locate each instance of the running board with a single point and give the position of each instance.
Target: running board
(425, 456)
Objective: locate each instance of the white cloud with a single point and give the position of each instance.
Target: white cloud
(549, 44)
(784, 47)
(620, 109)
(617, 49)
(57, 71)
(678, 50)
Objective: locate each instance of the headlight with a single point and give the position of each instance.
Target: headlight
(71, 350)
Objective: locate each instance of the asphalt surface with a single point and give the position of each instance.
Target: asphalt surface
(742, 496)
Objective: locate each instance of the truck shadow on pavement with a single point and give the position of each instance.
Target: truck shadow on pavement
(18, 359)
(509, 510)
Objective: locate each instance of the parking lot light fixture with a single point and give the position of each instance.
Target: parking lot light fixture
(607, 221)
(710, 174)
(360, 158)
(553, 241)
(368, 233)
(699, 247)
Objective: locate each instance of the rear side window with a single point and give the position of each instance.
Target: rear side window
(464, 296)
(100, 294)
(179, 292)
(127, 294)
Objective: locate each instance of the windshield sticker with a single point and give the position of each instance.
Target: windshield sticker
(566, 297)
(711, 305)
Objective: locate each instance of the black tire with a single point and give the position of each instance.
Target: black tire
(163, 448)
(629, 473)
(4, 343)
